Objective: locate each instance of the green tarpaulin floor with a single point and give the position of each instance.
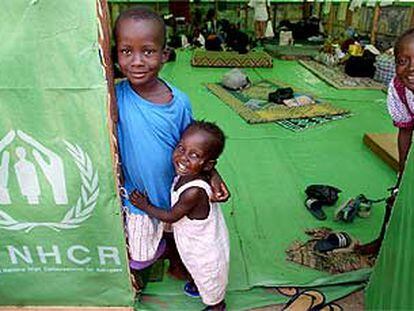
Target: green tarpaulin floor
(267, 169)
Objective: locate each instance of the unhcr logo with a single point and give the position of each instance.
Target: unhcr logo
(49, 164)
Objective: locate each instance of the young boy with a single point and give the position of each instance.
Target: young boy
(200, 231)
(152, 116)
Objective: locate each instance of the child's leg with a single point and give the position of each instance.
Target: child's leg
(144, 247)
(140, 279)
(176, 268)
(262, 28)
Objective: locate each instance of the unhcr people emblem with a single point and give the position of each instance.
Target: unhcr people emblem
(26, 163)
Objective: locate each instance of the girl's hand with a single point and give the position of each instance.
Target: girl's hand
(220, 191)
(139, 200)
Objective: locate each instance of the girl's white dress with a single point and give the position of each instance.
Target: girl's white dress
(204, 246)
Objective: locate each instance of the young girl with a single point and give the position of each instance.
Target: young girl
(200, 231)
(400, 94)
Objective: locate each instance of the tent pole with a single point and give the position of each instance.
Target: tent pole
(374, 30)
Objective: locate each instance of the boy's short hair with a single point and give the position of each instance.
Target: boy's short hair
(217, 135)
(140, 13)
(406, 34)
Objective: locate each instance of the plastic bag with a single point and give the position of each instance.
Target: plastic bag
(285, 38)
(269, 33)
(235, 79)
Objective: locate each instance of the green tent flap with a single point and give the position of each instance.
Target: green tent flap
(390, 283)
(62, 241)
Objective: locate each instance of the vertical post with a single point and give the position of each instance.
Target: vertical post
(305, 9)
(331, 19)
(104, 39)
(157, 7)
(246, 16)
(348, 18)
(374, 30)
(412, 17)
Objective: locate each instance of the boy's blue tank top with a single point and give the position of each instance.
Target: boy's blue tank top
(147, 136)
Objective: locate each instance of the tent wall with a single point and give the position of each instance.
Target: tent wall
(390, 284)
(62, 242)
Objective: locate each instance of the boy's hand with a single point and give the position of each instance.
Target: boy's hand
(220, 191)
(139, 200)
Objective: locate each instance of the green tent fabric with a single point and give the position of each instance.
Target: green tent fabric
(390, 285)
(53, 103)
(267, 169)
(61, 232)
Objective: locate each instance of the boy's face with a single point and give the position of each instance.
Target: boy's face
(191, 156)
(140, 50)
(404, 62)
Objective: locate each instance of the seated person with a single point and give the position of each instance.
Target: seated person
(236, 40)
(197, 39)
(211, 32)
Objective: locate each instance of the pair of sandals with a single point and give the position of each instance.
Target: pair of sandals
(310, 300)
(335, 241)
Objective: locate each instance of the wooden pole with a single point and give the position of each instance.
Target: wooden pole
(246, 16)
(305, 9)
(331, 20)
(348, 18)
(157, 7)
(412, 17)
(374, 30)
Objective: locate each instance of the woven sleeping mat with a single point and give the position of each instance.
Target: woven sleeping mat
(299, 125)
(339, 79)
(264, 111)
(202, 58)
(292, 52)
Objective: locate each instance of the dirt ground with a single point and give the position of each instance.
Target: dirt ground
(353, 302)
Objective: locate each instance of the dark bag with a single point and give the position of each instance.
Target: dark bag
(361, 66)
(327, 195)
(280, 95)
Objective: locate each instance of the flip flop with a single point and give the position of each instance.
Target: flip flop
(191, 290)
(307, 300)
(315, 208)
(333, 241)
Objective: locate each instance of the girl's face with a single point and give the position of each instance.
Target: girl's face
(191, 157)
(404, 62)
